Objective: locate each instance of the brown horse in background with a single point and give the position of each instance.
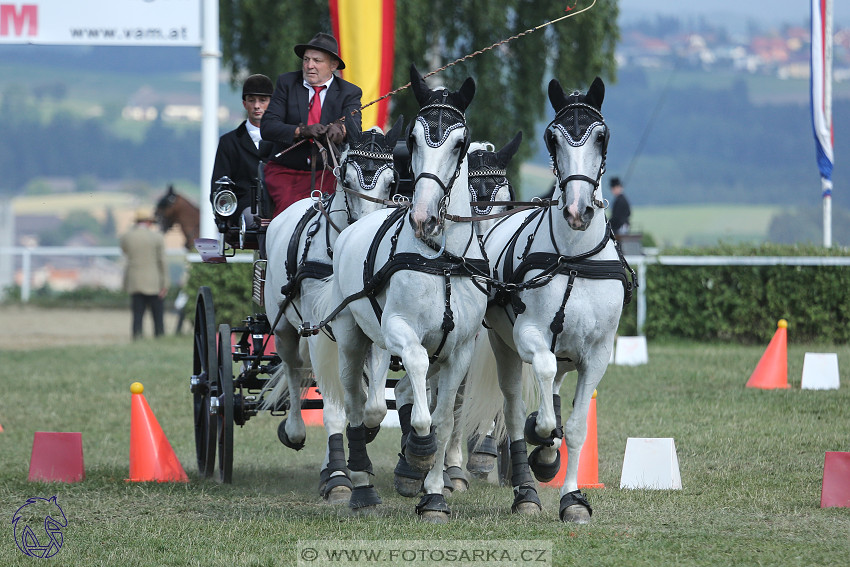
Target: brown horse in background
(173, 209)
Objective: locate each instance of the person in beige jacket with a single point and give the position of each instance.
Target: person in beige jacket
(145, 274)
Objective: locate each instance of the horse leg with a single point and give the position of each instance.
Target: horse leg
(376, 398)
(406, 479)
(574, 506)
(454, 451)
(291, 430)
(432, 507)
(509, 367)
(545, 459)
(420, 450)
(334, 481)
(353, 345)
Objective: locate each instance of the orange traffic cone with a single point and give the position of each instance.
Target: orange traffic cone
(772, 370)
(588, 461)
(151, 455)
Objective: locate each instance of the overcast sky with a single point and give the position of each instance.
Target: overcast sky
(769, 12)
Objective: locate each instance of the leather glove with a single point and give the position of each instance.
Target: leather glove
(336, 132)
(313, 130)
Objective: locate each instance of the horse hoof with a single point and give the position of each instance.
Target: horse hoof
(527, 508)
(575, 514)
(407, 487)
(480, 465)
(338, 495)
(284, 438)
(364, 497)
(421, 463)
(574, 508)
(434, 517)
(458, 479)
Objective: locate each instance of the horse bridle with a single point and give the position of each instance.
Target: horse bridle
(576, 108)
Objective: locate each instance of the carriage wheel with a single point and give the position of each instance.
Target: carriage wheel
(225, 418)
(205, 370)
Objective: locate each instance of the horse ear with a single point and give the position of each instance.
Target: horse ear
(394, 133)
(505, 154)
(420, 89)
(556, 95)
(596, 93)
(466, 93)
(170, 189)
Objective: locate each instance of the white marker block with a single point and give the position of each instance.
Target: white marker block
(391, 419)
(820, 371)
(631, 351)
(651, 463)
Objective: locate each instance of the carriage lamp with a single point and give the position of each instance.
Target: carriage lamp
(225, 203)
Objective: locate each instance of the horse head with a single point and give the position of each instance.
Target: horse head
(366, 171)
(577, 140)
(437, 142)
(163, 213)
(488, 178)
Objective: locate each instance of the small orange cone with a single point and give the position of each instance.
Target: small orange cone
(588, 461)
(772, 370)
(151, 455)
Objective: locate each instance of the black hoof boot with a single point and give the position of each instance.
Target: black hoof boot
(284, 438)
(433, 508)
(526, 500)
(421, 452)
(407, 480)
(334, 489)
(575, 508)
(482, 455)
(544, 472)
(363, 497)
(458, 479)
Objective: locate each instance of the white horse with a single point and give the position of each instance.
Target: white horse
(406, 280)
(490, 190)
(564, 282)
(300, 243)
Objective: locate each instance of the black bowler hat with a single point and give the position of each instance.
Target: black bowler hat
(257, 85)
(615, 181)
(323, 41)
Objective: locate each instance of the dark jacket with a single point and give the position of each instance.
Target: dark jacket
(237, 157)
(620, 213)
(288, 109)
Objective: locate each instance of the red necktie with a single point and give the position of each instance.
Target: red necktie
(314, 115)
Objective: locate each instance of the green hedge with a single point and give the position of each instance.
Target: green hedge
(230, 284)
(703, 303)
(743, 303)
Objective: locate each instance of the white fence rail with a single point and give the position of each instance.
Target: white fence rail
(638, 262)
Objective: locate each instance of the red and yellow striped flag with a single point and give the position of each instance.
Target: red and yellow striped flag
(365, 30)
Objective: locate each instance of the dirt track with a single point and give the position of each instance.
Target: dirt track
(26, 327)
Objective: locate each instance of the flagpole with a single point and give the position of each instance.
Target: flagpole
(827, 87)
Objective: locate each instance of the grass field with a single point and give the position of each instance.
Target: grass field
(751, 463)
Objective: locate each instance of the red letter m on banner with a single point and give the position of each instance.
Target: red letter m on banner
(28, 16)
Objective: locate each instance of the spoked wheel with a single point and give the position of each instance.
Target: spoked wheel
(205, 372)
(224, 387)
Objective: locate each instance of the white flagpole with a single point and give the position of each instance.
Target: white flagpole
(210, 64)
(827, 183)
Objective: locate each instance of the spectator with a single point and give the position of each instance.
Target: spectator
(620, 209)
(296, 116)
(145, 275)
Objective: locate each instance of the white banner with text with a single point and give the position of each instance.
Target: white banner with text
(101, 22)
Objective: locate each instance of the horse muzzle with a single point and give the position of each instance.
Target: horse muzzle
(424, 225)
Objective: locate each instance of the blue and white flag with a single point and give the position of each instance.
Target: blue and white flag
(821, 88)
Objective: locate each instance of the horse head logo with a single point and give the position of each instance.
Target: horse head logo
(38, 527)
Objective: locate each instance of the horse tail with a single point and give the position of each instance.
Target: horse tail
(482, 411)
(275, 391)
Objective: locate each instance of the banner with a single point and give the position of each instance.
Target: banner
(101, 22)
(821, 89)
(365, 30)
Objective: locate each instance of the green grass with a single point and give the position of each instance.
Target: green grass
(751, 463)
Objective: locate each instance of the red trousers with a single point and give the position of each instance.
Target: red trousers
(286, 186)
